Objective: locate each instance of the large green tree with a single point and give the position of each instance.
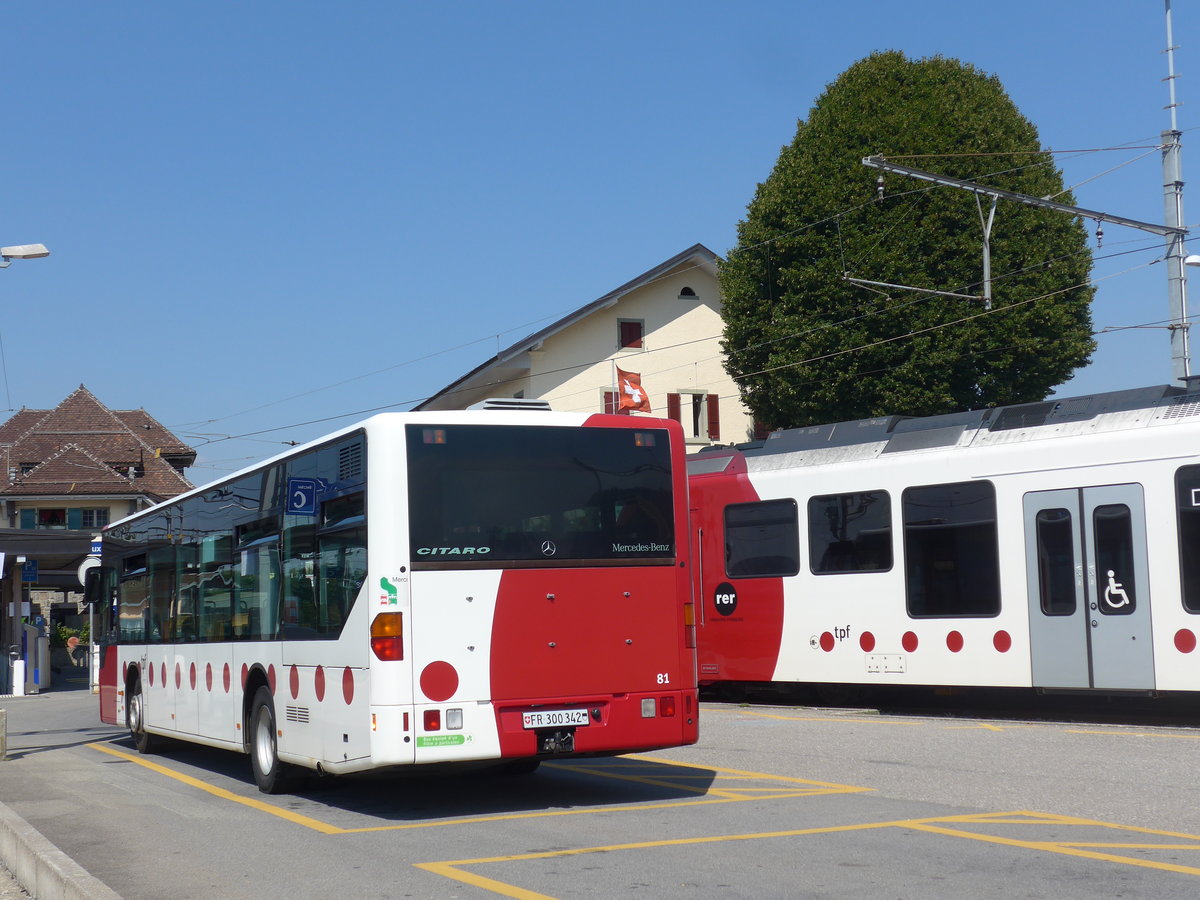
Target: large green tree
(806, 345)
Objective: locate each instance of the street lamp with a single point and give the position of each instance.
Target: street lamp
(21, 251)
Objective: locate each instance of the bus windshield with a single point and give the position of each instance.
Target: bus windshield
(517, 496)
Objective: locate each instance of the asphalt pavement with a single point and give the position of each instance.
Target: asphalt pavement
(30, 865)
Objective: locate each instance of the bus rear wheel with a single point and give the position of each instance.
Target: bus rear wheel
(271, 775)
(135, 718)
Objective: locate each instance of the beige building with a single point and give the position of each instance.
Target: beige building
(665, 325)
(65, 473)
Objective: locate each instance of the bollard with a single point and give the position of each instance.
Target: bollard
(3, 734)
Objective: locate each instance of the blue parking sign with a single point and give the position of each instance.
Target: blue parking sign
(29, 571)
(302, 497)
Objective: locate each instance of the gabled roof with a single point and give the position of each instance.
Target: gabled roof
(697, 254)
(83, 447)
(73, 470)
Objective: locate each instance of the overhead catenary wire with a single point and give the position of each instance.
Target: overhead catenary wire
(794, 364)
(773, 239)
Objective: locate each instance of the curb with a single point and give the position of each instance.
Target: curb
(42, 869)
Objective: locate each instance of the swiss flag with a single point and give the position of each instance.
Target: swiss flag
(630, 393)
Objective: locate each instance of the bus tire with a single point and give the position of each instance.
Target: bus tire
(135, 718)
(271, 775)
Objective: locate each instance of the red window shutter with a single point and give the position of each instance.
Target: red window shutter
(713, 403)
(673, 407)
(630, 334)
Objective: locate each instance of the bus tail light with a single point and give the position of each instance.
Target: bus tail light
(666, 706)
(689, 625)
(433, 720)
(387, 636)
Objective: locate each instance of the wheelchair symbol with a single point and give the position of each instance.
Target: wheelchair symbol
(1114, 590)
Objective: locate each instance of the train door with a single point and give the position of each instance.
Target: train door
(1089, 591)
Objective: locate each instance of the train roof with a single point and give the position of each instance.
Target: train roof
(868, 438)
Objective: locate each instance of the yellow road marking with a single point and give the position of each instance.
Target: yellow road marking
(857, 720)
(454, 868)
(705, 797)
(1178, 737)
(253, 803)
(833, 787)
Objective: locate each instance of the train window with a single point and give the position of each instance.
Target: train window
(951, 557)
(1113, 525)
(1187, 504)
(1056, 561)
(762, 540)
(850, 533)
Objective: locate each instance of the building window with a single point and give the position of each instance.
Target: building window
(51, 518)
(699, 414)
(951, 551)
(93, 518)
(630, 333)
(612, 404)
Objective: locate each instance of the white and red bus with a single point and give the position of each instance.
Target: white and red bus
(1051, 546)
(420, 588)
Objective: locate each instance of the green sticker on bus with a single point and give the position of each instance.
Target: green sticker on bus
(441, 740)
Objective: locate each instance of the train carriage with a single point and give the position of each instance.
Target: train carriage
(1051, 545)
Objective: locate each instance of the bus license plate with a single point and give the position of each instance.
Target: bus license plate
(555, 718)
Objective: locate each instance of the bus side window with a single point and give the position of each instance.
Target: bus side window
(341, 560)
(216, 587)
(133, 591)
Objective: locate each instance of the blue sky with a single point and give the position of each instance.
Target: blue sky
(263, 214)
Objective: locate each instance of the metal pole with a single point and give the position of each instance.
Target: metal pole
(1181, 356)
(987, 249)
(1181, 362)
(3, 734)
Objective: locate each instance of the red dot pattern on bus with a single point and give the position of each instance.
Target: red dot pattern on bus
(1185, 640)
(1002, 641)
(866, 640)
(909, 641)
(954, 642)
(827, 642)
(271, 679)
(439, 681)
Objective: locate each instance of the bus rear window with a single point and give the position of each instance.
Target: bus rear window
(508, 495)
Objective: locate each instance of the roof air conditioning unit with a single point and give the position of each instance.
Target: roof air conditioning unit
(511, 403)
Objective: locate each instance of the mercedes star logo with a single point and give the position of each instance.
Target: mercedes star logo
(548, 548)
